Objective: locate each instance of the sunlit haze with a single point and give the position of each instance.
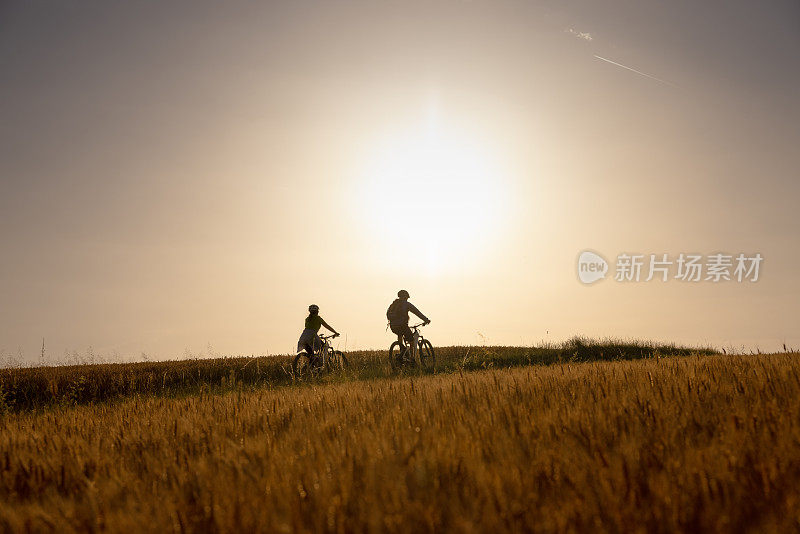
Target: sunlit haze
(185, 178)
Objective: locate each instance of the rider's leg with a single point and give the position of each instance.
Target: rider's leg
(408, 336)
(400, 332)
(310, 352)
(317, 359)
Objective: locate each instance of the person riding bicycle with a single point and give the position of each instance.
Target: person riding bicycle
(398, 317)
(309, 340)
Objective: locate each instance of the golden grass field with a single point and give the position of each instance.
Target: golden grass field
(706, 443)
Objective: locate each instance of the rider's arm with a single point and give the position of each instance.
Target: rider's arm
(413, 309)
(329, 327)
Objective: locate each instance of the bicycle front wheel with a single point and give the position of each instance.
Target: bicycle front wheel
(427, 358)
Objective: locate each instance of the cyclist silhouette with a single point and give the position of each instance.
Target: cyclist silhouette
(309, 340)
(398, 316)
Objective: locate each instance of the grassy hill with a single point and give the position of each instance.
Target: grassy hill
(30, 388)
(634, 443)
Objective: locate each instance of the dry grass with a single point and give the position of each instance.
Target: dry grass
(39, 387)
(704, 443)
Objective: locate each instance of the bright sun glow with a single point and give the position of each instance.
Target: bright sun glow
(435, 197)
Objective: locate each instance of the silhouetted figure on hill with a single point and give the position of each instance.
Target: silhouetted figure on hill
(398, 316)
(309, 340)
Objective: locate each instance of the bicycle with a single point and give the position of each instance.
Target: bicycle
(323, 360)
(402, 355)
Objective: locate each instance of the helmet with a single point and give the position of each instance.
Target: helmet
(403, 294)
(313, 308)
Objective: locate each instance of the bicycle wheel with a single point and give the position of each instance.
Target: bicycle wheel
(302, 367)
(426, 356)
(337, 361)
(396, 355)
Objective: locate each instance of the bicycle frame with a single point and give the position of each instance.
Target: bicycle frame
(418, 351)
(325, 350)
(417, 337)
(323, 358)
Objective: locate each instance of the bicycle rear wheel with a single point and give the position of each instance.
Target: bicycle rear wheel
(427, 357)
(396, 355)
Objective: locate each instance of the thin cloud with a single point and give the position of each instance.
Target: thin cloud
(586, 36)
(635, 70)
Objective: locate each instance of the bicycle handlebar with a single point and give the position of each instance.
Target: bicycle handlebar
(418, 325)
(329, 336)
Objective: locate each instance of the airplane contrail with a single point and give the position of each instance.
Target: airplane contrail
(636, 71)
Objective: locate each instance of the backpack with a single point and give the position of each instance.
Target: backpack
(394, 313)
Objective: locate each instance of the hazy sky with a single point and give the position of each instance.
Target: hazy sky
(176, 176)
